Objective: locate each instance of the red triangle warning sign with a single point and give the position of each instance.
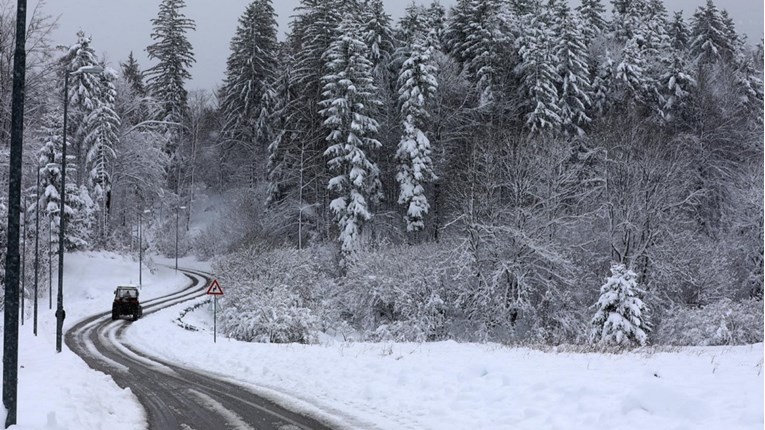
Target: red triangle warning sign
(215, 289)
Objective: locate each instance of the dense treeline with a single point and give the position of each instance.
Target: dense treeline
(470, 173)
(482, 169)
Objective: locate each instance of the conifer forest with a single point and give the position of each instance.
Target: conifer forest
(514, 171)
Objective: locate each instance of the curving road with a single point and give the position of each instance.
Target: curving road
(175, 397)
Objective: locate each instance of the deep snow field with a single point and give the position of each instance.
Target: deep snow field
(442, 385)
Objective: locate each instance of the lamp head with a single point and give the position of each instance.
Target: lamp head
(88, 69)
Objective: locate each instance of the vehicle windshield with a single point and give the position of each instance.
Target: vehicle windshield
(127, 293)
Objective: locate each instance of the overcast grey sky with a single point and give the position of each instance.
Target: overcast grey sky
(121, 26)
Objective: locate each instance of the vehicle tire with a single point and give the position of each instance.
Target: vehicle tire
(136, 315)
(115, 316)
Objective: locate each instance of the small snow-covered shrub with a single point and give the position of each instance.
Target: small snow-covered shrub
(276, 315)
(619, 319)
(724, 322)
(272, 295)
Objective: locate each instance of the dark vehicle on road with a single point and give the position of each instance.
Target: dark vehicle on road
(126, 303)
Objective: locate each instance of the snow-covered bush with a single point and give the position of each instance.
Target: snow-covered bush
(724, 322)
(398, 293)
(272, 296)
(620, 319)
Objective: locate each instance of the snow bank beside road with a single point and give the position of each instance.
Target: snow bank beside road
(59, 391)
(447, 385)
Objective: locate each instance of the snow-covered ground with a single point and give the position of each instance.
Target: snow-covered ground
(386, 386)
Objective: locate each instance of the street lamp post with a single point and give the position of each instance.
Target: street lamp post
(140, 246)
(60, 314)
(24, 256)
(176, 235)
(37, 248)
(50, 264)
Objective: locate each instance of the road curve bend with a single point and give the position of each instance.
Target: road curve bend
(172, 396)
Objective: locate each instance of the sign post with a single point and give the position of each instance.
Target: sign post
(215, 290)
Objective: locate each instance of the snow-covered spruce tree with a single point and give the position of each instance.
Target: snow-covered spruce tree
(591, 15)
(482, 49)
(84, 93)
(174, 56)
(78, 209)
(348, 97)
(630, 81)
(378, 33)
(709, 40)
(102, 137)
(436, 16)
(538, 74)
(250, 73)
(417, 85)
(676, 83)
(278, 166)
(456, 32)
(411, 26)
(303, 172)
(574, 88)
(602, 84)
(679, 35)
(620, 318)
(133, 75)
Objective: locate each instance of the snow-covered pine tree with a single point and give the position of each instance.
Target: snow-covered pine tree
(603, 83)
(174, 56)
(591, 15)
(436, 15)
(734, 41)
(482, 49)
(78, 209)
(302, 141)
(278, 167)
(709, 41)
(575, 89)
(131, 71)
(538, 74)
(378, 33)
(103, 125)
(630, 81)
(348, 97)
(679, 36)
(676, 83)
(457, 30)
(627, 18)
(84, 92)
(411, 25)
(250, 73)
(620, 316)
(417, 85)
(654, 27)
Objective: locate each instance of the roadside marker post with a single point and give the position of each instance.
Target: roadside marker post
(215, 290)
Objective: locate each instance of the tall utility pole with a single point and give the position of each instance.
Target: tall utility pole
(50, 264)
(37, 248)
(60, 313)
(11, 329)
(140, 246)
(177, 208)
(23, 255)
